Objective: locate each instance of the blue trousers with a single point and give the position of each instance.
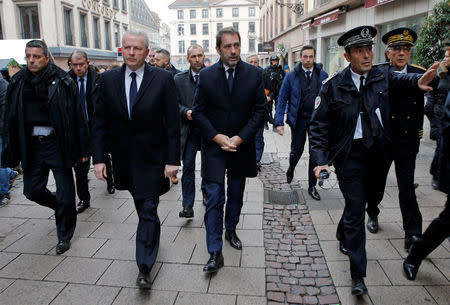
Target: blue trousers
(193, 143)
(148, 233)
(259, 143)
(5, 175)
(215, 200)
(298, 140)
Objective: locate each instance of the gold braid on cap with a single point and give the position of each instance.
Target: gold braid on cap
(405, 37)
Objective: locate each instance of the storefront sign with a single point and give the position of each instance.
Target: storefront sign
(370, 3)
(306, 25)
(332, 16)
(99, 8)
(268, 47)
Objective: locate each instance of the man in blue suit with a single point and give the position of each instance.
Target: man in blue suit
(299, 90)
(229, 108)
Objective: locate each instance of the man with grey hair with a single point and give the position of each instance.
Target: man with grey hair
(46, 130)
(85, 76)
(136, 119)
(151, 56)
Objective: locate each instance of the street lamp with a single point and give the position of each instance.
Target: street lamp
(295, 7)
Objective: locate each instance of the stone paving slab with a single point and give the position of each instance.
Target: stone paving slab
(30, 292)
(77, 294)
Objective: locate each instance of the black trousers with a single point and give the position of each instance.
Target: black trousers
(411, 216)
(434, 235)
(298, 140)
(81, 177)
(44, 156)
(359, 179)
(148, 233)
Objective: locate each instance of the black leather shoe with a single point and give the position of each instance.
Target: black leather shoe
(416, 185)
(83, 205)
(372, 224)
(234, 240)
(312, 191)
(214, 263)
(358, 287)
(342, 248)
(111, 188)
(62, 247)
(187, 212)
(409, 241)
(289, 174)
(410, 270)
(143, 281)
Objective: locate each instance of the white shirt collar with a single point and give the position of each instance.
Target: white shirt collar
(357, 78)
(193, 74)
(404, 70)
(304, 69)
(139, 71)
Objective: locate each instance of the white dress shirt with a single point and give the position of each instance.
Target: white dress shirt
(139, 76)
(226, 70)
(357, 80)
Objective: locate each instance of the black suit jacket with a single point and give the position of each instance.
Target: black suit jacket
(143, 145)
(91, 90)
(240, 112)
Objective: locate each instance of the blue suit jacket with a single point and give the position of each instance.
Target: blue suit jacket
(291, 93)
(219, 111)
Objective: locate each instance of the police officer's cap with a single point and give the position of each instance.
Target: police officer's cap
(400, 36)
(274, 57)
(357, 37)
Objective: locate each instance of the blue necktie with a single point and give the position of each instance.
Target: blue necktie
(308, 77)
(230, 79)
(83, 97)
(196, 78)
(133, 91)
(366, 127)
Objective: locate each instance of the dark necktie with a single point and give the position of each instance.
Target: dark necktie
(196, 78)
(83, 97)
(133, 91)
(308, 78)
(367, 139)
(230, 79)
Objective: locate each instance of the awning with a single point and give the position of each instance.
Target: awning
(371, 3)
(306, 25)
(326, 18)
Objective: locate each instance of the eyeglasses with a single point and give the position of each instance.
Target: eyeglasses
(399, 48)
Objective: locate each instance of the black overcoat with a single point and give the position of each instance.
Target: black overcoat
(219, 111)
(143, 145)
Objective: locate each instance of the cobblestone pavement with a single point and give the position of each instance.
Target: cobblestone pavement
(289, 252)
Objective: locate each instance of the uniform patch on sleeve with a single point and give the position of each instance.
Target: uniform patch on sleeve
(317, 102)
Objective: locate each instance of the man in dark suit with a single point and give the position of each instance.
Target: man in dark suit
(229, 108)
(186, 82)
(406, 118)
(137, 115)
(85, 77)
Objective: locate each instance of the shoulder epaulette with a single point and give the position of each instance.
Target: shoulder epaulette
(330, 77)
(418, 67)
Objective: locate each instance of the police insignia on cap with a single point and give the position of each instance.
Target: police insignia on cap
(365, 33)
(405, 32)
(317, 102)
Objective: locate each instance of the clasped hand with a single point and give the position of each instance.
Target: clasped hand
(226, 143)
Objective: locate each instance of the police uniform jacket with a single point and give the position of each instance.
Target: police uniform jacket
(337, 109)
(406, 118)
(240, 112)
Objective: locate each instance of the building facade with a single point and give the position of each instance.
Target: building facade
(143, 19)
(321, 22)
(95, 26)
(198, 21)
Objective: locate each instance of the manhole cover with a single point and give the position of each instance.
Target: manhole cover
(283, 197)
(266, 158)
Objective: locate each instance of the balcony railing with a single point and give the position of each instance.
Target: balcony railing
(31, 35)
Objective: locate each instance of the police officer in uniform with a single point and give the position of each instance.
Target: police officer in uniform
(406, 132)
(349, 128)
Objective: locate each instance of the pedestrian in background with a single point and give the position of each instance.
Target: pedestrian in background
(190, 140)
(299, 91)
